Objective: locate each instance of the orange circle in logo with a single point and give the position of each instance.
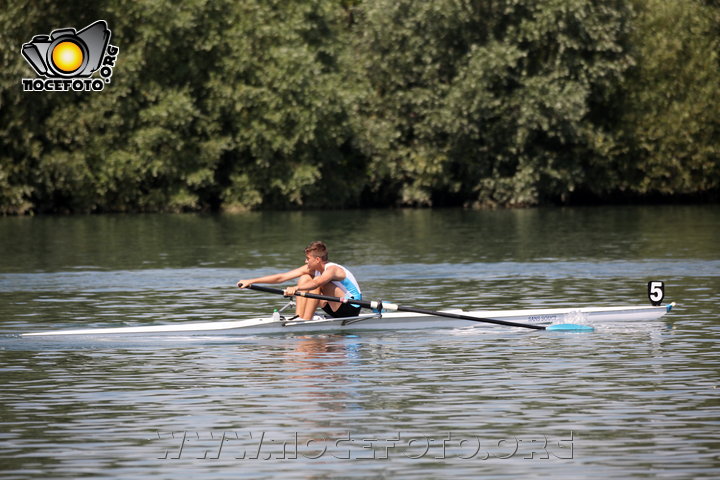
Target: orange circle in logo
(67, 56)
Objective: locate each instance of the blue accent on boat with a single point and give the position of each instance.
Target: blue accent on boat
(570, 327)
(669, 306)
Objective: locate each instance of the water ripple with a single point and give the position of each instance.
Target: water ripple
(210, 279)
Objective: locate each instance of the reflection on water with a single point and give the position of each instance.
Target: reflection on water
(320, 364)
(270, 240)
(626, 401)
(315, 351)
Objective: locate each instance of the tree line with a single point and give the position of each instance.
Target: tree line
(224, 105)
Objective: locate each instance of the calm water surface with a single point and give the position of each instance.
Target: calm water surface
(627, 401)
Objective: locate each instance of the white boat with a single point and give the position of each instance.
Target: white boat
(532, 318)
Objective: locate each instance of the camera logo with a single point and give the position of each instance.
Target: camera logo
(66, 59)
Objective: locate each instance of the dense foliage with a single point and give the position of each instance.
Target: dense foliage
(342, 103)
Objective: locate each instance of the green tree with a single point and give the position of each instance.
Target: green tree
(277, 93)
(212, 103)
(335, 103)
(671, 119)
(487, 102)
(24, 138)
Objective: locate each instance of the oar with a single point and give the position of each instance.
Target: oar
(393, 308)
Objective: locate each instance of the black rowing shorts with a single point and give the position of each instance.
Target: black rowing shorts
(345, 310)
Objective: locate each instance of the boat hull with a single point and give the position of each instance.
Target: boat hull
(386, 321)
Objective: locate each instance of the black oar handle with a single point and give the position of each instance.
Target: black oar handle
(263, 289)
(391, 306)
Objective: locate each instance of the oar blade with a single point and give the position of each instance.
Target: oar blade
(569, 327)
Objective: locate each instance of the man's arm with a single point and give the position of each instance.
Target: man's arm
(330, 274)
(275, 278)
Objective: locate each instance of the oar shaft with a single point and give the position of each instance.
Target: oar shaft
(470, 318)
(393, 307)
(277, 291)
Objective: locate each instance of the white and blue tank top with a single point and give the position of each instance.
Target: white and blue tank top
(348, 285)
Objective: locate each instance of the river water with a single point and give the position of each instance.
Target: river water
(626, 401)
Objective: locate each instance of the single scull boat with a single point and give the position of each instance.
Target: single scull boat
(542, 318)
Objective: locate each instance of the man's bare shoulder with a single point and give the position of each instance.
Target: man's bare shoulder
(336, 271)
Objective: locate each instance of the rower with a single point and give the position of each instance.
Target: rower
(320, 277)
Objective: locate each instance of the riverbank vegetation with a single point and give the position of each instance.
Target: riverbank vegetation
(351, 103)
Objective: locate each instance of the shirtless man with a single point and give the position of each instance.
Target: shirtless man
(318, 276)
